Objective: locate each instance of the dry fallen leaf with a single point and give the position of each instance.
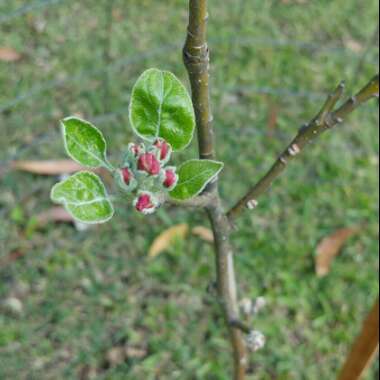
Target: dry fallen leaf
(167, 238)
(115, 356)
(366, 347)
(55, 167)
(330, 247)
(135, 352)
(203, 233)
(13, 256)
(54, 214)
(355, 46)
(51, 167)
(8, 54)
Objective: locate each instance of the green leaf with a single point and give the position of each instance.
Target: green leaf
(84, 143)
(161, 107)
(194, 176)
(84, 197)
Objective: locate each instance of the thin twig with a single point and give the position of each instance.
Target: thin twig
(326, 119)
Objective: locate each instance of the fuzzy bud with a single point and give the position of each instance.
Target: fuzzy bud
(148, 163)
(256, 341)
(146, 203)
(135, 149)
(127, 175)
(260, 304)
(170, 179)
(164, 149)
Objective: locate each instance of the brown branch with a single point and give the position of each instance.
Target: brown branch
(196, 58)
(227, 285)
(326, 119)
(197, 61)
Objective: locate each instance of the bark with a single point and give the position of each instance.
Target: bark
(197, 61)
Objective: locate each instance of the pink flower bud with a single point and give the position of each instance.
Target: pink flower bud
(171, 179)
(127, 175)
(135, 149)
(164, 149)
(145, 203)
(148, 163)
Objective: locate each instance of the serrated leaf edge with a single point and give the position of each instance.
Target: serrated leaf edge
(65, 203)
(207, 182)
(162, 72)
(104, 163)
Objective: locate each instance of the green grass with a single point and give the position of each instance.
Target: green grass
(86, 292)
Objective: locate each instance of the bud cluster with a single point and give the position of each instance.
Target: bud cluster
(146, 175)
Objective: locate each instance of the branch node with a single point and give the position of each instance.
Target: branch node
(304, 128)
(252, 204)
(294, 150)
(342, 84)
(235, 323)
(330, 104)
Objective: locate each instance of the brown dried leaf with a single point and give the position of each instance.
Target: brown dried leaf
(366, 347)
(135, 352)
(355, 46)
(203, 233)
(117, 14)
(115, 356)
(55, 167)
(167, 238)
(330, 247)
(8, 54)
(13, 256)
(51, 167)
(54, 214)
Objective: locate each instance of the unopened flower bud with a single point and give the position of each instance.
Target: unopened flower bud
(125, 178)
(256, 341)
(170, 179)
(135, 149)
(164, 149)
(259, 304)
(127, 175)
(246, 306)
(148, 163)
(146, 203)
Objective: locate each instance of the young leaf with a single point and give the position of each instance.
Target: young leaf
(161, 107)
(84, 143)
(84, 197)
(194, 176)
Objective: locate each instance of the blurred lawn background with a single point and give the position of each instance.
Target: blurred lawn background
(83, 294)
